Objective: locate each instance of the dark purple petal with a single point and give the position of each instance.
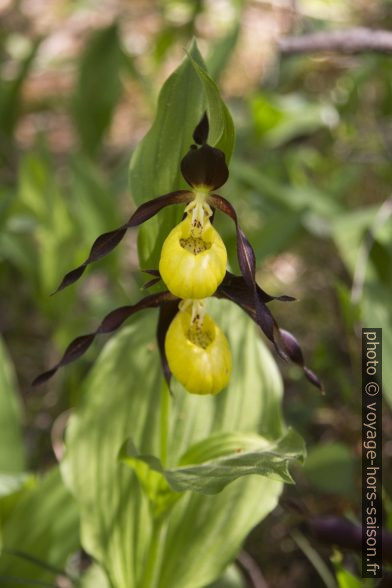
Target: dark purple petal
(245, 253)
(44, 377)
(293, 350)
(246, 259)
(291, 347)
(105, 243)
(167, 312)
(245, 298)
(235, 288)
(200, 134)
(110, 323)
(115, 319)
(238, 287)
(70, 278)
(313, 379)
(77, 348)
(151, 283)
(205, 166)
(150, 208)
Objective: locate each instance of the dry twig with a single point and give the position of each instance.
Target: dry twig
(348, 41)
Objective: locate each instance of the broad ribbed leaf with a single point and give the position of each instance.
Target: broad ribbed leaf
(223, 458)
(155, 164)
(93, 578)
(12, 455)
(200, 537)
(232, 578)
(40, 533)
(121, 398)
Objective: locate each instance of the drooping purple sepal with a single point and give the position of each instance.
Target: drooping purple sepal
(237, 289)
(106, 242)
(110, 323)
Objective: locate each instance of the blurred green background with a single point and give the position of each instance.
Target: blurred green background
(310, 178)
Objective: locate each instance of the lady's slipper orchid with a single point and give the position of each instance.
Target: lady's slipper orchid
(192, 265)
(193, 258)
(197, 351)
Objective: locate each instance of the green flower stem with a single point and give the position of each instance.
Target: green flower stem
(151, 569)
(153, 557)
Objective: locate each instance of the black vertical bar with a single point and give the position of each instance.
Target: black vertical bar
(372, 453)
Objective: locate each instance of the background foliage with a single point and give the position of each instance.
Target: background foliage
(310, 177)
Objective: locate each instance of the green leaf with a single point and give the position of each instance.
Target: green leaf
(221, 133)
(225, 457)
(281, 119)
(40, 228)
(94, 578)
(152, 480)
(222, 50)
(332, 457)
(232, 578)
(12, 455)
(10, 96)
(95, 208)
(40, 533)
(349, 234)
(13, 487)
(155, 164)
(99, 87)
(297, 198)
(277, 233)
(347, 580)
(121, 399)
(11, 483)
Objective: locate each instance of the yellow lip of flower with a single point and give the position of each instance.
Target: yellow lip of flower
(198, 353)
(193, 264)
